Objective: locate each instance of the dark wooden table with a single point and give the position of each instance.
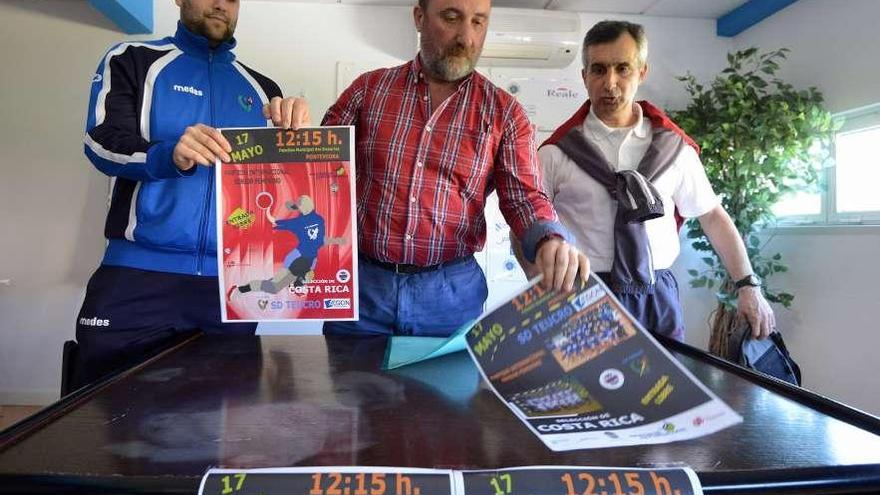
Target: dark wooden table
(305, 401)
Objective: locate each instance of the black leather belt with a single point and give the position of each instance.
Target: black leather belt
(404, 269)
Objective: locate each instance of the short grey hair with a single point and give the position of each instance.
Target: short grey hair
(608, 31)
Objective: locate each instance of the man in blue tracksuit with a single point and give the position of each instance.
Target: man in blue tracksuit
(154, 111)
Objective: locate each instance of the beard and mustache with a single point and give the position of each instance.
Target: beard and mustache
(448, 63)
(198, 22)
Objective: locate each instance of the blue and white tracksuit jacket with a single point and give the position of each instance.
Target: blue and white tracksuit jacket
(144, 96)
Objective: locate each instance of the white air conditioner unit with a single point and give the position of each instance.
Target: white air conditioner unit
(531, 38)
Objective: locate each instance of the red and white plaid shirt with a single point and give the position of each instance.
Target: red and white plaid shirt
(422, 179)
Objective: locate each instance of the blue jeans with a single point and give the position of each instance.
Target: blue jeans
(432, 303)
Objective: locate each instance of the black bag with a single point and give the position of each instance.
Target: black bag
(768, 356)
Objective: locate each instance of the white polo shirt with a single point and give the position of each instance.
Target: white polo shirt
(586, 208)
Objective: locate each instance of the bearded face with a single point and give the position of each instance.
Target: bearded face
(452, 36)
(449, 62)
(213, 19)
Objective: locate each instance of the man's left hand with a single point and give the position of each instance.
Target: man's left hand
(288, 113)
(560, 262)
(752, 306)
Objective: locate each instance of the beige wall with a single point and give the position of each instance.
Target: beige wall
(834, 47)
(832, 328)
(51, 202)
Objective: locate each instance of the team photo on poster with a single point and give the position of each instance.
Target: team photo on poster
(580, 372)
(285, 207)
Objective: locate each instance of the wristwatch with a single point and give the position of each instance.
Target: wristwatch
(750, 280)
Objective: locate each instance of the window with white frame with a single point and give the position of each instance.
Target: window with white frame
(849, 181)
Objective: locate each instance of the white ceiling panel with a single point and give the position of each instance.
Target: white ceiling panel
(521, 4)
(615, 6)
(308, 1)
(703, 9)
(396, 3)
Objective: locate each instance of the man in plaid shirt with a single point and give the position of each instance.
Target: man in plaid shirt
(434, 138)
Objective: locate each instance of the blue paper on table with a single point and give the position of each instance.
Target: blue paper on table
(454, 376)
(403, 350)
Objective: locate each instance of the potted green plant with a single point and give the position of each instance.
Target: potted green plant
(760, 139)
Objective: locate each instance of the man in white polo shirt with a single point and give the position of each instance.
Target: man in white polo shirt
(618, 170)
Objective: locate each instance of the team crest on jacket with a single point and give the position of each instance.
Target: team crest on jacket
(246, 102)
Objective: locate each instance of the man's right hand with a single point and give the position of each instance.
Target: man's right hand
(288, 113)
(561, 263)
(200, 145)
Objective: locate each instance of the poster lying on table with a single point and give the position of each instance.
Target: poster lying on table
(369, 480)
(329, 480)
(287, 240)
(571, 480)
(580, 372)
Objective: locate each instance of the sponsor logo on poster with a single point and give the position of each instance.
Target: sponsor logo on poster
(587, 298)
(337, 303)
(611, 379)
(638, 363)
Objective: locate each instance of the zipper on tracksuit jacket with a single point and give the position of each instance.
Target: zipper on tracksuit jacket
(209, 191)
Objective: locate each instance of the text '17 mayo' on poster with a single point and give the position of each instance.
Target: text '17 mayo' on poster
(580, 372)
(287, 240)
